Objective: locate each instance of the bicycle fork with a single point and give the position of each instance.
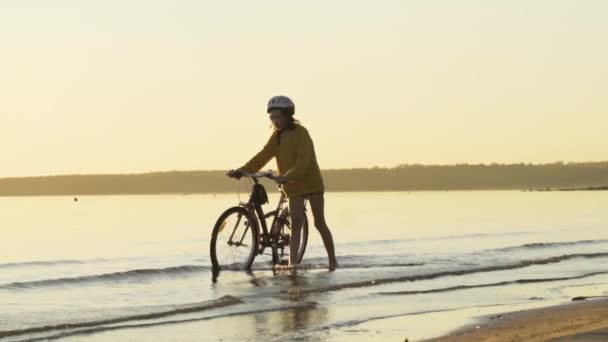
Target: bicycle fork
(240, 242)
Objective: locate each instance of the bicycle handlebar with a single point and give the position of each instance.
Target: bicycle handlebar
(266, 174)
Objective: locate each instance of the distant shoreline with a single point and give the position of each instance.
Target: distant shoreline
(587, 188)
(272, 189)
(591, 176)
(243, 191)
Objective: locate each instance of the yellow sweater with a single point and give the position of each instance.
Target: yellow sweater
(296, 160)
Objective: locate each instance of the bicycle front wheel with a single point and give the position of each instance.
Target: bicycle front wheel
(234, 240)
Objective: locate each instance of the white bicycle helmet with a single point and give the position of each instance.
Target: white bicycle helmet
(281, 102)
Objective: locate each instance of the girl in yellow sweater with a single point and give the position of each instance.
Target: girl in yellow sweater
(299, 173)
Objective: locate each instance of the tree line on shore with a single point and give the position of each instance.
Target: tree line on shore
(404, 177)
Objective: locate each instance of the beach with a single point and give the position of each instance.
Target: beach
(583, 321)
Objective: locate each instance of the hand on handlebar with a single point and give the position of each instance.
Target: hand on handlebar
(238, 173)
(281, 179)
(235, 174)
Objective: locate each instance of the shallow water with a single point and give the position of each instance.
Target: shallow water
(412, 264)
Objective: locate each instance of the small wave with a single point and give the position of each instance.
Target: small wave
(482, 235)
(100, 328)
(324, 266)
(348, 262)
(379, 265)
(434, 238)
(41, 263)
(63, 262)
(298, 335)
(139, 274)
(189, 308)
(538, 245)
(501, 283)
(459, 272)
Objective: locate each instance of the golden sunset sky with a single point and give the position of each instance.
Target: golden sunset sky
(134, 86)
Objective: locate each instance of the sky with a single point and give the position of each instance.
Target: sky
(137, 86)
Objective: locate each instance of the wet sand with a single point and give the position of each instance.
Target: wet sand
(581, 321)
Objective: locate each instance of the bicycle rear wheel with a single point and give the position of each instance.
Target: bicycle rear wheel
(284, 227)
(234, 240)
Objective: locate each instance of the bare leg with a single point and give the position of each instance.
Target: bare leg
(296, 211)
(317, 204)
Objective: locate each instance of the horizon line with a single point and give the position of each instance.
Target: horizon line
(559, 162)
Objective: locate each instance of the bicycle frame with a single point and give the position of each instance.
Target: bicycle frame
(255, 208)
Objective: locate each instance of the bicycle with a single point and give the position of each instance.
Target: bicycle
(236, 238)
